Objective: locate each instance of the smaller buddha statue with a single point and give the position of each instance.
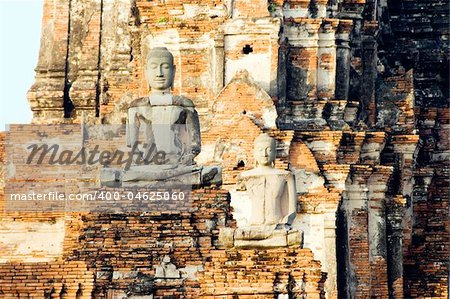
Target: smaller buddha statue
(273, 202)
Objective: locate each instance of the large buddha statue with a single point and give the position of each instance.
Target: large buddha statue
(170, 122)
(167, 125)
(272, 200)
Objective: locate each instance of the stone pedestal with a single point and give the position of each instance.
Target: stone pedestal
(258, 238)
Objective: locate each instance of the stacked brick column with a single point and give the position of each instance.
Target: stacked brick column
(343, 54)
(326, 68)
(303, 36)
(355, 209)
(46, 96)
(118, 81)
(378, 185)
(83, 59)
(395, 211)
(405, 146)
(301, 88)
(369, 72)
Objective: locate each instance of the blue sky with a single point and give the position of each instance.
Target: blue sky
(20, 31)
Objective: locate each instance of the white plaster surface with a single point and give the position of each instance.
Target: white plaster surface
(207, 154)
(306, 181)
(120, 294)
(194, 10)
(191, 271)
(269, 117)
(257, 64)
(31, 241)
(322, 146)
(294, 12)
(312, 226)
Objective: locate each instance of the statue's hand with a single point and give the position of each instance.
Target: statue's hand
(195, 151)
(138, 158)
(240, 186)
(187, 160)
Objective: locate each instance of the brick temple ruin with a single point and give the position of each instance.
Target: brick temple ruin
(355, 92)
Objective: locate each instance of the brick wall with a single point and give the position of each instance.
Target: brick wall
(262, 274)
(386, 62)
(419, 34)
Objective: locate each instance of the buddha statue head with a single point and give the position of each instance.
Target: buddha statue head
(160, 69)
(264, 151)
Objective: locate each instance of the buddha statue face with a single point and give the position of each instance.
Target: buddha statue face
(264, 151)
(160, 70)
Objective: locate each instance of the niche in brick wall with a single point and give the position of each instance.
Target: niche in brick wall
(247, 49)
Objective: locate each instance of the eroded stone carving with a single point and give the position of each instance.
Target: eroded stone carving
(166, 269)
